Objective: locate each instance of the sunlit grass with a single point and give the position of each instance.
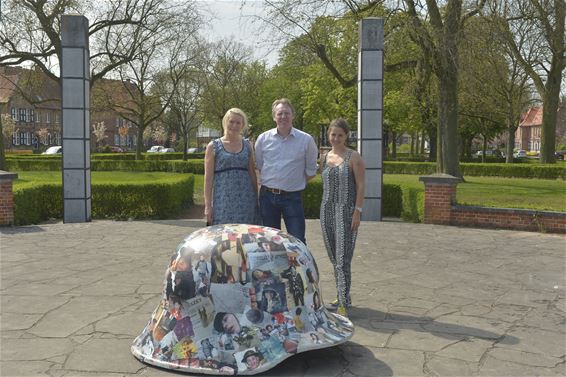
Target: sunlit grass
(541, 194)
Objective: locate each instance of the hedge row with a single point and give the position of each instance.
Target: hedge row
(479, 169)
(113, 156)
(175, 166)
(391, 201)
(389, 167)
(37, 203)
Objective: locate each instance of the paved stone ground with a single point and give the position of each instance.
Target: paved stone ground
(429, 300)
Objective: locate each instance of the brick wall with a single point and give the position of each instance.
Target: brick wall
(508, 218)
(441, 208)
(6, 198)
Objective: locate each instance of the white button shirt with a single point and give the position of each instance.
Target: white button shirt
(286, 162)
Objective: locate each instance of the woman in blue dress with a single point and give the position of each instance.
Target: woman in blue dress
(230, 181)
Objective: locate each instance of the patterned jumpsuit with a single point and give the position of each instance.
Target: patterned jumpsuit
(336, 210)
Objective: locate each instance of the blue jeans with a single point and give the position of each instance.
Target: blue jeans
(290, 205)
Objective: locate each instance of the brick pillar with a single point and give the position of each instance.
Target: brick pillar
(6, 198)
(440, 196)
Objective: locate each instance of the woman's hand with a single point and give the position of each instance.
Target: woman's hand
(356, 217)
(208, 215)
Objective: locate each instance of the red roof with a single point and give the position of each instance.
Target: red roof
(533, 117)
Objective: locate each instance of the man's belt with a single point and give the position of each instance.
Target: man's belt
(276, 191)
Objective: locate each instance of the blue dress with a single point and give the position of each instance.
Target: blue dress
(234, 199)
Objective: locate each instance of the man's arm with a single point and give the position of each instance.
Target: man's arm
(310, 159)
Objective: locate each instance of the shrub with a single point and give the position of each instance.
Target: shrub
(33, 204)
(36, 203)
(312, 197)
(33, 164)
(413, 205)
(478, 169)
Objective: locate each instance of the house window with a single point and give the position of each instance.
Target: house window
(28, 115)
(22, 117)
(21, 137)
(49, 138)
(15, 139)
(48, 117)
(56, 118)
(14, 113)
(37, 117)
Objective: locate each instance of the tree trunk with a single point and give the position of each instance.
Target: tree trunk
(393, 145)
(2, 152)
(185, 146)
(448, 112)
(511, 128)
(549, 117)
(140, 146)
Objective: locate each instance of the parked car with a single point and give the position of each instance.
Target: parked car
(160, 149)
(195, 150)
(520, 154)
(117, 149)
(559, 155)
(57, 149)
(489, 153)
(155, 149)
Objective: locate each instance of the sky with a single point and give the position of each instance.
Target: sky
(233, 19)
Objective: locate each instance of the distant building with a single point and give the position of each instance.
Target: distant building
(205, 135)
(528, 135)
(33, 101)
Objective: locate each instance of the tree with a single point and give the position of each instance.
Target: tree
(30, 31)
(99, 132)
(224, 81)
(184, 107)
(493, 79)
(7, 128)
(439, 40)
(161, 51)
(534, 31)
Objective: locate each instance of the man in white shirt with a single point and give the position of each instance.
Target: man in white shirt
(286, 159)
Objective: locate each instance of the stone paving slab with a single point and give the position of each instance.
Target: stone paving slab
(428, 300)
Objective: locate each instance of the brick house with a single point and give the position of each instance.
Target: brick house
(528, 135)
(33, 101)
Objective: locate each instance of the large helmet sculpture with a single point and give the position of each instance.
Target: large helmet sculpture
(238, 299)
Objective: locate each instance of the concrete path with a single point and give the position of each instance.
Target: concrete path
(428, 300)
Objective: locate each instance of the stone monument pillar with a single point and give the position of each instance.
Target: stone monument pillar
(75, 119)
(370, 113)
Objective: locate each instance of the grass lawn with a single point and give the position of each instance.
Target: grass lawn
(541, 194)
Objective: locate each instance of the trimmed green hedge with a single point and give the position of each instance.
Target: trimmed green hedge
(175, 166)
(147, 156)
(312, 197)
(37, 203)
(413, 204)
(196, 166)
(479, 169)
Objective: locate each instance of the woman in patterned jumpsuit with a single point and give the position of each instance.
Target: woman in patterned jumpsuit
(343, 173)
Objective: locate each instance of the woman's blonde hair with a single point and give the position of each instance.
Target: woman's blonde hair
(239, 112)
